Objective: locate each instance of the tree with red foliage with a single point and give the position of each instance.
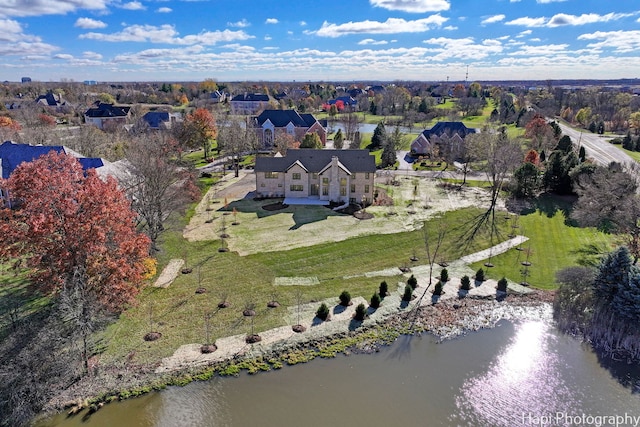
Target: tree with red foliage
(532, 157)
(340, 105)
(540, 132)
(46, 120)
(76, 235)
(197, 130)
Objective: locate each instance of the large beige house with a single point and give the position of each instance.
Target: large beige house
(317, 176)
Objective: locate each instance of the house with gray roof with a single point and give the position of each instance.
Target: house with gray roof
(249, 103)
(106, 115)
(442, 132)
(270, 123)
(307, 176)
(160, 120)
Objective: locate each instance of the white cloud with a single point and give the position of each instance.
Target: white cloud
(271, 21)
(65, 56)
(91, 55)
(585, 18)
(619, 41)
(164, 10)
(133, 5)
(243, 23)
(524, 34)
(48, 7)
(88, 23)
(465, 48)
(14, 42)
(390, 26)
(267, 38)
(493, 19)
(303, 23)
(450, 28)
(542, 50)
(166, 34)
(412, 6)
(372, 42)
(528, 22)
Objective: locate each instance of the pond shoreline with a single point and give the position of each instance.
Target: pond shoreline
(447, 319)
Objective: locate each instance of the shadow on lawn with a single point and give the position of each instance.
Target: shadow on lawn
(302, 214)
(546, 204)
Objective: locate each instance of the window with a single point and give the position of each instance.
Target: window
(296, 187)
(268, 138)
(366, 189)
(314, 175)
(343, 191)
(262, 184)
(325, 190)
(366, 175)
(296, 175)
(271, 175)
(325, 181)
(343, 181)
(354, 176)
(353, 188)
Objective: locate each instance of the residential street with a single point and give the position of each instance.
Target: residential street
(597, 146)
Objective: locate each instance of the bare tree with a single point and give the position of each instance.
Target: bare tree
(156, 183)
(236, 138)
(351, 123)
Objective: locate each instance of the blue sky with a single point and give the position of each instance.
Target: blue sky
(231, 40)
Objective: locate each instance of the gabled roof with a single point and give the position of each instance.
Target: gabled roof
(247, 97)
(12, 155)
(156, 118)
(107, 111)
(448, 128)
(281, 118)
(316, 160)
(50, 99)
(346, 100)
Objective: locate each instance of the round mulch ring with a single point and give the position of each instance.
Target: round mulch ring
(187, 270)
(252, 339)
(152, 336)
(273, 304)
(223, 249)
(224, 304)
(208, 348)
(201, 291)
(275, 206)
(249, 313)
(224, 236)
(363, 215)
(298, 328)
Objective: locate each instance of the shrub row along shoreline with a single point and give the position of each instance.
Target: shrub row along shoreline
(447, 319)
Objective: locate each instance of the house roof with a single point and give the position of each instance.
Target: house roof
(50, 99)
(156, 118)
(281, 118)
(107, 111)
(12, 155)
(346, 100)
(248, 97)
(448, 128)
(316, 160)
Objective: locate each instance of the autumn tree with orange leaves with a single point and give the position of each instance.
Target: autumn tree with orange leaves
(197, 130)
(75, 234)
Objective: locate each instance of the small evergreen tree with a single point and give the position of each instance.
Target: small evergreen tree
(323, 312)
(502, 285)
(345, 298)
(582, 154)
(338, 140)
(379, 137)
(613, 271)
(361, 312)
(444, 275)
(413, 282)
(375, 300)
(408, 293)
(626, 302)
(465, 283)
(388, 157)
(384, 289)
(480, 275)
(437, 290)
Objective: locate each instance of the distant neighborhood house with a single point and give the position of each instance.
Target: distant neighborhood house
(106, 115)
(270, 123)
(317, 176)
(249, 103)
(160, 120)
(50, 100)
(449, 132)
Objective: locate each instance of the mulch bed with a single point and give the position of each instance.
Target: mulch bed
(275, 206)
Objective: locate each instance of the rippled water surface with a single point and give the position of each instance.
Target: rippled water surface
(512, 375)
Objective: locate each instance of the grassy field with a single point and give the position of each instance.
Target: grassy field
(554, 243)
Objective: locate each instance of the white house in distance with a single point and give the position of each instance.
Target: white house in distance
(452, 132)
(317, 176)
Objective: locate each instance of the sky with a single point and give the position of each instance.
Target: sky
(326, 40)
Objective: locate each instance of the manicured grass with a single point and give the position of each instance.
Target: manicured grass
(469, 182)
(635, 155)
(178, 312)
(553, 243)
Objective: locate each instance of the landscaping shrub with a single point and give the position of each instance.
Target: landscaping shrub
(323, 312)
(502, 285)
(345, 298)
(444, 275)
(384, 289)
(437, 290)
(408, 293)
(480, 275)
(413, 282)
(375, 300)
(465, 283)
(361, 312)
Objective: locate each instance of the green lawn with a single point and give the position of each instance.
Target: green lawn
(553, 245)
